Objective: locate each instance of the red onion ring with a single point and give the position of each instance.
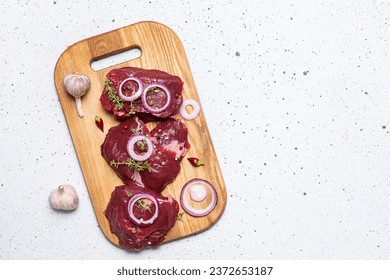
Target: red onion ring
(195, 113)
(130, 212)
(136, 94)
(188, 208)
(145, 103)
(133, 154)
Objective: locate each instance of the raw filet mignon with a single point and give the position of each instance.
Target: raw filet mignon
(170, 144)
(136, 237)
(122, 110)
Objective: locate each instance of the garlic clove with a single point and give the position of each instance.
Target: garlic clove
(77, 85)
(64, 198)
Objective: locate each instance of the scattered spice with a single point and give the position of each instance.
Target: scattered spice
(195, 162)
(99, 123)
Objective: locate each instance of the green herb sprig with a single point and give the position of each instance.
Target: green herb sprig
(132, 109)
(144, 206)
(112, 96)
(129, 193)
(132, 164)
(154, 90)
(142, 144)
(180, 216)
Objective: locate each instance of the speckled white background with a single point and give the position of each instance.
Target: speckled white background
(302, 130)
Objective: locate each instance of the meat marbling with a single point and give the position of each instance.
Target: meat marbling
(131, 236)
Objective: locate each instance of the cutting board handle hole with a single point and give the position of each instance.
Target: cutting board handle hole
(116, 59)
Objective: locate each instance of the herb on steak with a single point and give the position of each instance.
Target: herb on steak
(143, 206)
(132, 164)
(154, 90)
(129, 193)
(180, 216)
(132, 112)
(112, 96)
(142, 144)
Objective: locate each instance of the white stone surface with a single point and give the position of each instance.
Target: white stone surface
(296, 95)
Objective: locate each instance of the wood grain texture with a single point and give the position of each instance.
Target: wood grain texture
(161, 49)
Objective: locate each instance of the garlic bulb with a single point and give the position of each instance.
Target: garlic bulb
(77, 85)
(64, 197)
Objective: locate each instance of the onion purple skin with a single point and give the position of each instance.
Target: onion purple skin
(134, 96)
(137, 197)
(133, 154)
(198, 213)
(145, 103)
(195, 105)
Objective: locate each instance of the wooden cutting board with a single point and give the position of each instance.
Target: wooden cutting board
(161, 49)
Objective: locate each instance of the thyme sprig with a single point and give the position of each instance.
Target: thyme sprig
(112, 96)
(144, 206)
(132, 164)
(132, 107)
(129, 193)
(154, 90)
(142, 144)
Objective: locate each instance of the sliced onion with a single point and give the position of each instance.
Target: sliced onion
(130, 206)
(196, 109)
(136, 94)
(133, 154)
(145, 103)
(191, 210)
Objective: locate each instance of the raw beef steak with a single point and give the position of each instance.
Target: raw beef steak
(171, 139)
(170, 144)
(122, 110)
(136, 237)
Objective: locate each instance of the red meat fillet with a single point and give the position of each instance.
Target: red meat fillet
(124, 109)
(170, 144)
(134, 237)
